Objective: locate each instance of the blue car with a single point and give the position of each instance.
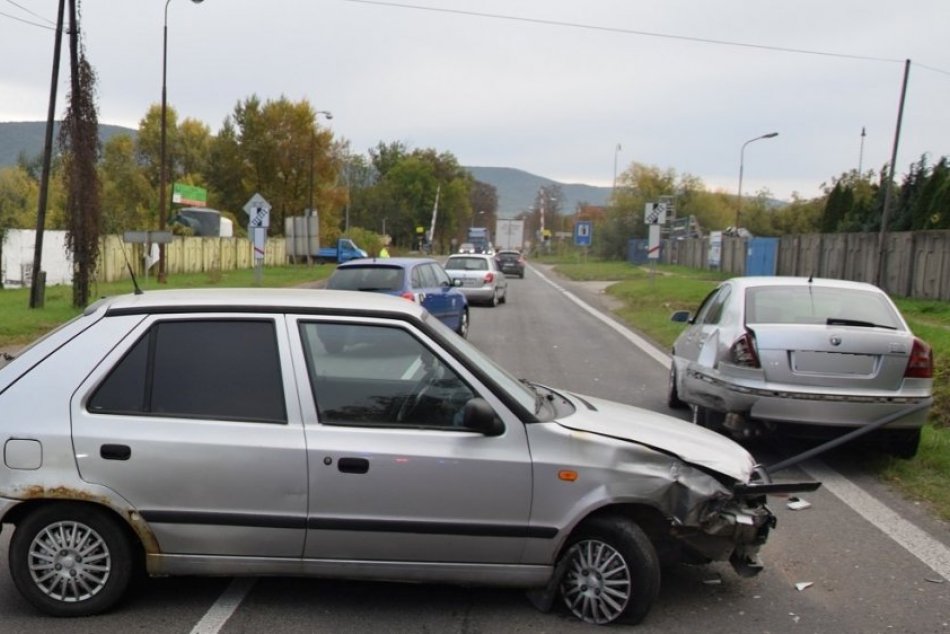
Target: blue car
(421, 280)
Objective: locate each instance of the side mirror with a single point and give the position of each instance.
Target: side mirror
(680, 316)
(479, 416)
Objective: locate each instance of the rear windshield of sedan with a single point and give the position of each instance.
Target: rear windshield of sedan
(816, 305)
(509, 255)
(367, 278)
(467, 264)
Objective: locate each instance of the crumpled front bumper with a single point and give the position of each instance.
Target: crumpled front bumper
(733, 530)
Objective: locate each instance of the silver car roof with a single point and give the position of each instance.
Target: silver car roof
(257, 300)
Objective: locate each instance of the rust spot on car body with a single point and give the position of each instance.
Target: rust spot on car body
(135, 521)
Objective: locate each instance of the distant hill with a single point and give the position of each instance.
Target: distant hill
(517, 189)
(29, 137)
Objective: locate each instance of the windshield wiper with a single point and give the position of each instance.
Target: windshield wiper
(841, 321)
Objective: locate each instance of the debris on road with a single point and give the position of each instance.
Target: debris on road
(804, 584)
(798, 504)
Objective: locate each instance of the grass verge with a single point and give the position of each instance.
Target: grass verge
(649, 299)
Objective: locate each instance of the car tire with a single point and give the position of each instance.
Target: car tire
(672, 394)
(103, 561)
(463, 324)
(708, 418)
(902, 443)
(610, 553)
(494, 298)
(504, 297)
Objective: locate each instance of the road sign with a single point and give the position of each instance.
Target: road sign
(258, 212)
(654, 213)
(583, 233)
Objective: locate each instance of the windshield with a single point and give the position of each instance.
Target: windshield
(367, 278)
(526, 396)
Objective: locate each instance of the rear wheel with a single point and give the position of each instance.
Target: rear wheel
(902, 443)
(613, 572)
(494, 298)
(463, 324)
(71, 560)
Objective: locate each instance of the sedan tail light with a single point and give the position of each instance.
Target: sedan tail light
(744, 352)
(412, 297)
(489, 277)
(921, 362)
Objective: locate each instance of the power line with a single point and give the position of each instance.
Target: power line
(610, 29)
(31, 12)
(19, 19)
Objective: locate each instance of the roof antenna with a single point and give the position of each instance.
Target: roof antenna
(138, 291)
(811, 278)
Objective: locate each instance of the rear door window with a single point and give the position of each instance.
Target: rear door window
(212, 369)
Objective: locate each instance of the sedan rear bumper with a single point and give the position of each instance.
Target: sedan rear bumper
(791, 406)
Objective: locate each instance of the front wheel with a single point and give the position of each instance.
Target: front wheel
(70, 560)
(613, 573)
(672, 394)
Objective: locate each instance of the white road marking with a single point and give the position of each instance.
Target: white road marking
(927, 549)
(917, 542)
(226, 605)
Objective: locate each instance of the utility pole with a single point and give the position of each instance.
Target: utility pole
(38, 284)
(861, 153)
(889, 185)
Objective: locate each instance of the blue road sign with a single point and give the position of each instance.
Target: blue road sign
(583, 232)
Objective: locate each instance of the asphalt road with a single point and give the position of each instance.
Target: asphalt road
(853, 545)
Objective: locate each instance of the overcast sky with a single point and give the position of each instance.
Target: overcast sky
(511, 83)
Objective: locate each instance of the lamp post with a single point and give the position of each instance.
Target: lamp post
(770, 135)
(163, 179)
(309, 214)
(475, 218)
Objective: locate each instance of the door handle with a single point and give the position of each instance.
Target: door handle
(353, 465)
(115, 452)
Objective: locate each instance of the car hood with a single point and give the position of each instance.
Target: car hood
(691, 443)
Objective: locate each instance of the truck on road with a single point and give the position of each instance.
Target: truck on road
(509, 235)
(480, 238)
(303, 242)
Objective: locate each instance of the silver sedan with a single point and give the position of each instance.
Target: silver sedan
(482, 279)
(812, 357)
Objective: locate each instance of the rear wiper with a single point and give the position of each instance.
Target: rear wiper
(841, 321)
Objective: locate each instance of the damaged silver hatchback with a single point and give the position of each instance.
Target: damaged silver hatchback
(344, 435)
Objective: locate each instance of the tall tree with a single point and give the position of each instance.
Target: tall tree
(79, 140)
(126, 193)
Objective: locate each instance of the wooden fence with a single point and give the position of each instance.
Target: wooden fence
(916, 263)
(182, 255)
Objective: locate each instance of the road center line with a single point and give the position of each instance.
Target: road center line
(917, 542)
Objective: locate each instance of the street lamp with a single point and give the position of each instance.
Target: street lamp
(770, 135)
(309, 213)
(475, 217)
(163, 180)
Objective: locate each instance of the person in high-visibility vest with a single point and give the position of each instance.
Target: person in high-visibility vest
(384, 252)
